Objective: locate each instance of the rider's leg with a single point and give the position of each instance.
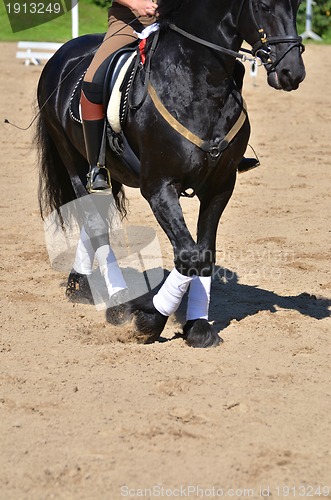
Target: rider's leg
(122, 23)
(93, 127)
(245, 164)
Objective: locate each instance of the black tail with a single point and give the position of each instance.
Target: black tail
(55, 189)
(119, 197)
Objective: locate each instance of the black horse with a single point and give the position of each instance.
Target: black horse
(187, 124)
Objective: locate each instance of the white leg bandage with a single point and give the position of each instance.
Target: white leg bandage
(110, 270)
(84, 254)
(169, 297)
(198, 298)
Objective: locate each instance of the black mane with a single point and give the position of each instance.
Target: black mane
(167, 10)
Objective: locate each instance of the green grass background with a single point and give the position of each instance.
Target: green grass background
(92, 19)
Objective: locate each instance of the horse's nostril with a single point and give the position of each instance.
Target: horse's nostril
(290, 81)
(286, 72)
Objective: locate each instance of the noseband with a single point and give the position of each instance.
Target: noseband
(260, 49)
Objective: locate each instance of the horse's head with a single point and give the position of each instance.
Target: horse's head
(269, 26)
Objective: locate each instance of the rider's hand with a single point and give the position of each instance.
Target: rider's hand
(141, 7)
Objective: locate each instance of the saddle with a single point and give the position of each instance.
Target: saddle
(119, 76)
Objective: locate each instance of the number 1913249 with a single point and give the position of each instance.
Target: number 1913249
(303, 491)
(34, 8)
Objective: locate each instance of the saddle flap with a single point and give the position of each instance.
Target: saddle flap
(115, 64)
(115, 87)
(112, 73)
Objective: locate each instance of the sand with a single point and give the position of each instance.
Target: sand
(85, 415)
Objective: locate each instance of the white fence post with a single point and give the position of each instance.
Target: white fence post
(309, 16)
(74, 18)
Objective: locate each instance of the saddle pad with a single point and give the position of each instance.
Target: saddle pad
(114, 104)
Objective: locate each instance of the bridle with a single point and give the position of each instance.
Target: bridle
(260, 49)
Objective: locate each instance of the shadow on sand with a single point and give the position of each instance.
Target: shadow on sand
(232, 300)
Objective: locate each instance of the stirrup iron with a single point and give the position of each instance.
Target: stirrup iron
(98, 180)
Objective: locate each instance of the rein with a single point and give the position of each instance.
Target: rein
(260, 49)
(213, 46)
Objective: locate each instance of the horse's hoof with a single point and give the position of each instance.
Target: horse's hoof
(199, 333)
(78, 288)
(148, 325)
(119, 310)
(147, 321)
(118, 315)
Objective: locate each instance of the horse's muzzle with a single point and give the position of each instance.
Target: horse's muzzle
(286, 79)
(286, 69)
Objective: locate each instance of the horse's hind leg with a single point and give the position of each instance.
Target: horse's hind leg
(94, 243)
(60, 184)
(149, 320)
(60, 179)
(78, 286)
(93, 215)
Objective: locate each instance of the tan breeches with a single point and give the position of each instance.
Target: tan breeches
(119, 33)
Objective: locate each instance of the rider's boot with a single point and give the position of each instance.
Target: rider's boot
(93, 119)
(246, 164)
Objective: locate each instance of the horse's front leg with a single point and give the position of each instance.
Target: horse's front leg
(211, 209)
(150, 313)
(190, 261)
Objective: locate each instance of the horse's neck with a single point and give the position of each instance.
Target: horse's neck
(213, 21)
(194, 86)
(182, 61)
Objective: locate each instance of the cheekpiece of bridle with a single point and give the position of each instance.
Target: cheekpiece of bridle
(262, 48)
